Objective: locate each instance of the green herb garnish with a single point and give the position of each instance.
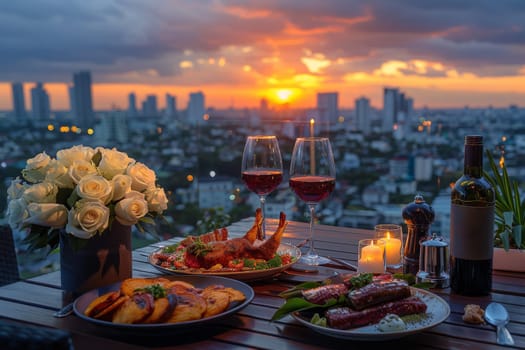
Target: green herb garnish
(318, 320)
(156, 290)
(249, 263)
(276, 261)
(199, 248)
(410, 278)
(361, 280)
(171, 248)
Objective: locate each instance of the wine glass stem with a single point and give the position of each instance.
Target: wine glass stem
(311, 251)
(263, 225)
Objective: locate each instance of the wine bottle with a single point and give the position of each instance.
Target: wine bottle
(472, 225)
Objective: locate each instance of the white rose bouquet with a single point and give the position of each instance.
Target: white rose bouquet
(81, 192)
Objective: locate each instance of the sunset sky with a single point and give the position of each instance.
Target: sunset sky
(445, 53)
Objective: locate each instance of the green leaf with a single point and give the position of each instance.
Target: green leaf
(97, 157)
(295, 291)
(147, 220)
(505, 239)
(299, 304)
(516, 231)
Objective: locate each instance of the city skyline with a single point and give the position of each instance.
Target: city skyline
(443, 54)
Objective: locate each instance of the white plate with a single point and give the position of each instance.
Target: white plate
(438, 311)
(248, 275)
(82, 302)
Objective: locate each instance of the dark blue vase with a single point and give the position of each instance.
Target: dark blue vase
(96, 262)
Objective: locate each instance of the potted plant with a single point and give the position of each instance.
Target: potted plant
(509, 239)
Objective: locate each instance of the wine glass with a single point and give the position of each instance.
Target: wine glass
(312, 178)
(262, 168)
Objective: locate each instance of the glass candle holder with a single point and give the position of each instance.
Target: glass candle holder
(371, 256)
(393, 237)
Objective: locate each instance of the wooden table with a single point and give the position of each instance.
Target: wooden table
(33, 301)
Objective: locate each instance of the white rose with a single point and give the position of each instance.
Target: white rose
(113, 162)
(142, 177)
(46, 214)
(81, 168)
(16, 189)
(121, 186)
(157, 200)
(87, 218)
(17, 212)
(79, 152)
(36, 167)
(131, 208)
(95, 187)
(44, 192)
(57, 173)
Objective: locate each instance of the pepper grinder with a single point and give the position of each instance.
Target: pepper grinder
(418, 216)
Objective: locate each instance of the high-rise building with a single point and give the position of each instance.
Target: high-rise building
(132, 105)
(171, 106)
(72, 104)
(113, 128)
(149, 106)
(19, 108)
(40, 107)
(397, 109)
(83, 106)
(328, 109)
(390, 108)
(196, 108)
(363, 115)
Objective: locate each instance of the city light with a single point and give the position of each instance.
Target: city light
(212, 173)
(189, 178)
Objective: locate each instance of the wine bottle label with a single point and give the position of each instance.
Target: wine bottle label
(471, 232)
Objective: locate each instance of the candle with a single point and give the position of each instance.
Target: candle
(392, 235)
(371, 258)
(392, 250)
(312, 148)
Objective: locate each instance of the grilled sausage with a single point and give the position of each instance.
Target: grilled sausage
(377, 293)
(346, 318)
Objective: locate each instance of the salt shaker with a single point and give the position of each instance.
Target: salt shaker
(433, 262)
(418, 216)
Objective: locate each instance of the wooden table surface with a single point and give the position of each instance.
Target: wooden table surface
(33, 301)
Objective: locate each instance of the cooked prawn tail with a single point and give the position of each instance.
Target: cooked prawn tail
(256, 229)
(270, 246)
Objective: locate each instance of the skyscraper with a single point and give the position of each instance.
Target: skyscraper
(196, 107)
(40, 107)
(132, 105)
(171, 106)
(390, 108)
(83, 107)
(149, 107)
(19, 108)
(397, 108)
(362, 115)
(328, 109)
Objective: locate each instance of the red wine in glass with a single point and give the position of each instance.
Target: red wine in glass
(312, 188)
(312, 178)
(262, 182)
(262, 168)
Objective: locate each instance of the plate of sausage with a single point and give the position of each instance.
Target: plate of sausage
(363, 306)
(244, 258)
(437, 311)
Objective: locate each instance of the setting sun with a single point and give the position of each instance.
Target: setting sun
(284, 94)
